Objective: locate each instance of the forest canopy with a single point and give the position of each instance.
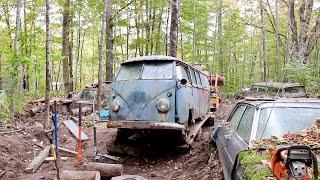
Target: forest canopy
(245, 41)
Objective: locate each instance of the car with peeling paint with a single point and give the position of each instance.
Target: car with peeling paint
(158, 92)
(256, 119)
(273, 89)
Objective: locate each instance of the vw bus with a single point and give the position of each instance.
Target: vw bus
(158, 92)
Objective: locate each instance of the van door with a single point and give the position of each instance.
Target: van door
(195, 95)
(183, 94)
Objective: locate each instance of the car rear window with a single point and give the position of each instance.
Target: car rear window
(278, 121)
(245, 125)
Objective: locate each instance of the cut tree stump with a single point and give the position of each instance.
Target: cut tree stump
(36, 162)
(80, 175)
(106, 170)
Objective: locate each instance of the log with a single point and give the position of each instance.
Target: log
(106, 170)
(36, 162)
(80, 175)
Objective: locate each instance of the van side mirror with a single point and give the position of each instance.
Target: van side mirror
(183, 81)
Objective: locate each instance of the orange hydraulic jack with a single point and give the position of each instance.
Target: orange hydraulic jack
(291, 163)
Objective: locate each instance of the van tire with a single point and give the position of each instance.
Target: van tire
(191, 117)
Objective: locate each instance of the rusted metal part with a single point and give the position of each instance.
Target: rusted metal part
(144, 125)
(195, 128)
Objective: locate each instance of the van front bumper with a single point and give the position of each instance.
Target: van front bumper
(144, 125)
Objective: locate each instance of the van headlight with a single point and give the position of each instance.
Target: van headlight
(115, 105)
(163, 105)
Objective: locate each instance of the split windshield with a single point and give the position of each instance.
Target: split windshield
(278, 121)
(149, 70)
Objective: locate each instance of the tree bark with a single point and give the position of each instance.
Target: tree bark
(106, 170)
(100, 52)
(167, 26)
(174, 28)
(48, 45)
(65, 46)
(264, 43)
(219, 24)
(109, 43)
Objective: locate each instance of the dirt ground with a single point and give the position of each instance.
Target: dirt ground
(24, 139)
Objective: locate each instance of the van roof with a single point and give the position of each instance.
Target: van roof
(153, 58)
(159, 58)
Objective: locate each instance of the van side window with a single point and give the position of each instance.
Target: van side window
(182, 73)
(198, 78)
(193, 77)
(205, 81)
(236, 116)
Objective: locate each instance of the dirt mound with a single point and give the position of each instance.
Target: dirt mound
(196, 163)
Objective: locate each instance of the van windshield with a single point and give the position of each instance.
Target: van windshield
(151, 70)
(157, 70)
(129, 72)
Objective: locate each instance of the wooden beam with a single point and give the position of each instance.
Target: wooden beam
(36, 162)
(52, 158)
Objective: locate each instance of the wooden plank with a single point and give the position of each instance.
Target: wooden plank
(67, 150)
(52, 158)
(73, 128)
(2, 173)
(36, 162)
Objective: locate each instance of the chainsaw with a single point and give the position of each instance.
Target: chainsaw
(288, 163)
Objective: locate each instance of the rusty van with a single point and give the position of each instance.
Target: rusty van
(159, 93)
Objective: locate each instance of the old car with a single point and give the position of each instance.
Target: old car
(87, 96)
(256, 119)
(158, 92)
(273, 89)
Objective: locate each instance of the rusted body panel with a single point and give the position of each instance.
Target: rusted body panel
(139, 97)
(134, 101)
(144, 125)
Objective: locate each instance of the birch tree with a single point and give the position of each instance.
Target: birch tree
(48, 45)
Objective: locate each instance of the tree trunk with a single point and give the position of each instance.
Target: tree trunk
(65, 46)
(219, 24)
(78, 48)
(174, 28)
(48, 44)
(167, 26)
(100, 51)
(264, 46)
(16, 48)
(127, 35)
(109, 43)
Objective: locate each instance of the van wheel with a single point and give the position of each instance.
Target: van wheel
(198, 135)
(210, 121)
(191, 117)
